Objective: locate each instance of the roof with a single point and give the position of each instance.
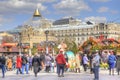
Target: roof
(12, 49)
(62, 21)
(9, 44)
(2, 49)
(36, 13)
(5, 34)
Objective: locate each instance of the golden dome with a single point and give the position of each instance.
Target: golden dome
(36, 13)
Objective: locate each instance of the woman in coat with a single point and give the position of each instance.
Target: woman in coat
(18, 64)
(37, 64)
(9, 63)
(111, 63)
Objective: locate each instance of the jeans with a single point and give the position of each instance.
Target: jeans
(60, 68)
(25, 67)
(85, 67)
(19, 70)
(52, 68)
(14, 66)
(2, 66)
(96, 72)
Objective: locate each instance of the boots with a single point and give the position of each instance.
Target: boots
(79, 70)
(75, 70)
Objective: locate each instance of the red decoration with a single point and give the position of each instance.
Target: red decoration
(101, 37)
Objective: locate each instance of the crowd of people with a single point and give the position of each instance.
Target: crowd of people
(59, 63)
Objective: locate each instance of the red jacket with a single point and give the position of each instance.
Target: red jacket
(60, 59)
(18, 62)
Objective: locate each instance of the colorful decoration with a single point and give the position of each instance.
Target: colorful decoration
(100, 44)
(71, 59)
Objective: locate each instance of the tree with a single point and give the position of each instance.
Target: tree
(34, 50)
(71, 45)
(74, 47)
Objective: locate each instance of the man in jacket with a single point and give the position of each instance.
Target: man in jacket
(2, 64)
(60, 59)
(37, 64)
(24, 64)
(96, 63)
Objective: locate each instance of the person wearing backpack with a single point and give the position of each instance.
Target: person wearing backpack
(111, 62)
(24, 64)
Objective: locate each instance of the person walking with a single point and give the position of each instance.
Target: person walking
(78, 61)
(9, 64)
(60, 60)
(2, 64)
(85, 62)
(118, 64)
(37, 64)
(91, 58)
(96, 64)
(47, 62)
(24, 64)
(14, 62)
(111, 62)
(18, 64)
(30, 62)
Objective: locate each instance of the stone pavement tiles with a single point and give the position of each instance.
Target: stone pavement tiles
(53, 76)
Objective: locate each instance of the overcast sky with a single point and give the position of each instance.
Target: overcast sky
(15, 12)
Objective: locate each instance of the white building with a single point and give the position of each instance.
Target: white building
(79, 31)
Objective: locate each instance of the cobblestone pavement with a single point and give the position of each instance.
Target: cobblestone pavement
(10, 75)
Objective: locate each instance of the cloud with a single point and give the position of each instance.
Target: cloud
(48, 1)
(38, 1)
(71, 7)
(96, 19)
(20, 6)
(103, 9)
(114, 11)
(106, 9)
(101, 0)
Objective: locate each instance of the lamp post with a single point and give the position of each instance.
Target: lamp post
(19, 42)
(46, 33)
(29, 44)
(52, 44)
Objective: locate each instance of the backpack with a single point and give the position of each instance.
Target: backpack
(52, 60)
(24, 60)
(111, 59)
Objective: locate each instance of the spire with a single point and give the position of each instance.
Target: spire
(37, 13)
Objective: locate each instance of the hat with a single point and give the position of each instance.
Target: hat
(111, 52)
(61, 51)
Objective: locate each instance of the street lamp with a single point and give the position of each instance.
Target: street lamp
(52, 45)
(19, 42)
(29, 44)
(46, 33)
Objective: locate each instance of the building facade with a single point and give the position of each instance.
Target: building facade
(33, 31)
(80, 32)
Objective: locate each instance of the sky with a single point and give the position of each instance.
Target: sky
(15, 12)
